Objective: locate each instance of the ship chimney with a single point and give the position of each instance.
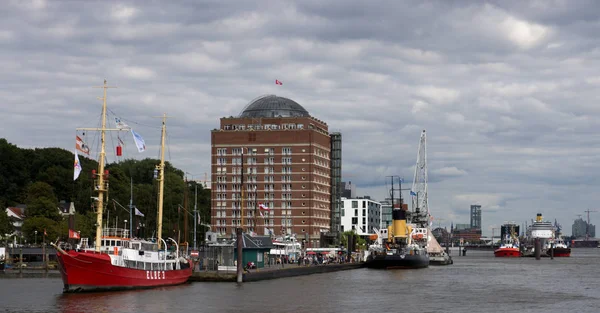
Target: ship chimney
(539, 217)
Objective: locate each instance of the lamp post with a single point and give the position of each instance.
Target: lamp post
(35, 232)
(195, 208)
(125, 224)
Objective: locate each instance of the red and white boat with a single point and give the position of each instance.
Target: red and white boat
(509, 248)
(116, 261)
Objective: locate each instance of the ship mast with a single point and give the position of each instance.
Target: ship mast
(161, 180)
(101, 185)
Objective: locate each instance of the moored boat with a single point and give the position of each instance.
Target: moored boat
(509, 248)
(394, 247)
(558, 248)
(115, 260)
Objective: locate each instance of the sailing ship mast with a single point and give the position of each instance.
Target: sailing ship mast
(161, 180)
(101, 186)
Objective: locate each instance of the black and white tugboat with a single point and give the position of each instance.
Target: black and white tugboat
(395, 248)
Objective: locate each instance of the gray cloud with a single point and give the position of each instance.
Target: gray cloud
(507, 90)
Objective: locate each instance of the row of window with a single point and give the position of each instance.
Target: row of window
(263, 126)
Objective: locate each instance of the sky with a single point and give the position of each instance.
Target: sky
(506, 90)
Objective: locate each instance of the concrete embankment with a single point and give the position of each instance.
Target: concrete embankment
(289, 270)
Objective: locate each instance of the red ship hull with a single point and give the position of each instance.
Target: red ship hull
(507, 253)
(89, 271)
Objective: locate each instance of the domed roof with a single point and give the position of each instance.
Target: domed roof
(273, 106)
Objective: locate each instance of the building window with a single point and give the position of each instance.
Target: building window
(364, 204)
(355, 212)
(354, 204)
(354, 221)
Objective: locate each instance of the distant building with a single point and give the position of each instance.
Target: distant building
(16, 215)
(361, 215)
(66, 208)
(580, 229)
(348, 190)
(476, 216)
(462, 226)
(386, 211)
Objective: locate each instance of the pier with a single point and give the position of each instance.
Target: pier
(290, 270)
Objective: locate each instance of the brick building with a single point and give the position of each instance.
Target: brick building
(275, 154)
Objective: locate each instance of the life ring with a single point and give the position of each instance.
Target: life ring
(417, 236)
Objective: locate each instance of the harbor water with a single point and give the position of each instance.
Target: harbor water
(478, 282)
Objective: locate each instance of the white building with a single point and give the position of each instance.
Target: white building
(360, 214)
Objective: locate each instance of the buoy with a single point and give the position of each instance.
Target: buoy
(119, 150)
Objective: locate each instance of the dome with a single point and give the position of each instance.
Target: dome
(273, 106)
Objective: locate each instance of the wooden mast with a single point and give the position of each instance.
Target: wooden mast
(161, 180)
(100, 186)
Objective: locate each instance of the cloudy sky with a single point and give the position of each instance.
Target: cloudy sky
(507, 90)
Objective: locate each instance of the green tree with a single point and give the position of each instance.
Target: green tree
(84, 224)
(6, 226)
(41, 201)
(40, 224)
(14, 173)
(361, 243)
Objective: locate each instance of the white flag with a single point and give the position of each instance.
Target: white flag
(139, 141)
(77, 167)
(137, 212)
(120, 125)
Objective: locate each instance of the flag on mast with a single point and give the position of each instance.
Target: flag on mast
(76, 167)
(138, 212)
(120, 124)
(81, 146)
(139, 141)
(277, 82)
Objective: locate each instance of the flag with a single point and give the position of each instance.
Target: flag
(412, 193)
(76, 167)
(261, 215)
(198, 218)
(139, 141)
(277, 82)
(263, 207)
(73, 234)
(81, 146)
(120, 124)
(137, 212)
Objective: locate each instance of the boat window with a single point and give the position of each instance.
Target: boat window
(103, 243)
(119, 243)
(112, 243)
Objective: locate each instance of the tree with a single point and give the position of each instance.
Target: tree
(6, 226)
(41, 201)
(40, 224)
(84, 224)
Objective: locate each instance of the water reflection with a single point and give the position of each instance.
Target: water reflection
(476, 283)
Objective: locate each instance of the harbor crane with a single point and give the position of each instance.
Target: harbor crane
(587, 226)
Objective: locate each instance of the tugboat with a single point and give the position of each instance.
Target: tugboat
(509, 247)
(116, 261)
(558, 247)
(395, 248)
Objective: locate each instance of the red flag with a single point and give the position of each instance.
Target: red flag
(277, 82)
(73, 234)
